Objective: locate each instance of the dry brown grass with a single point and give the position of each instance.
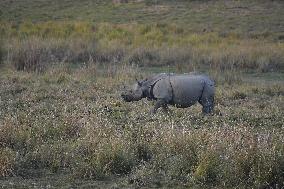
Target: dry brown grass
(70, 118)
(73, 120)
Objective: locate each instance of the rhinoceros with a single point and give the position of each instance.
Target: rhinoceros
(180, 90)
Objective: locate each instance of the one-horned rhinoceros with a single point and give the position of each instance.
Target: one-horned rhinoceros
(180, 90)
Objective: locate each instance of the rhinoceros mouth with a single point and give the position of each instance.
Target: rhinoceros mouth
(126, 98)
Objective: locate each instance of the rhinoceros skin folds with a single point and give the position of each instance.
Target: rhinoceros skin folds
(179, 90)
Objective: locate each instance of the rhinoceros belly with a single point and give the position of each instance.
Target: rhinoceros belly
(187, 90)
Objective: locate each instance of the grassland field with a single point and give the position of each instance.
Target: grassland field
(63, 65)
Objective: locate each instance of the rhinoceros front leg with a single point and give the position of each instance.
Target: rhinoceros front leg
(159, 103)
(166, 109)
(207, 105)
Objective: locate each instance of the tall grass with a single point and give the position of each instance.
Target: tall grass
(97, 136)
(1, 51)
(36, 54)
(34, 46)
(73, 121)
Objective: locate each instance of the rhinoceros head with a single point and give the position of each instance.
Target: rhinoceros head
(135, 92)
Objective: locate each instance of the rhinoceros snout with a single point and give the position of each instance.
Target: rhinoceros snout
(125, 97)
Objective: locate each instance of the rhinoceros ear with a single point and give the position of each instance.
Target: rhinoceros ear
(138, 82)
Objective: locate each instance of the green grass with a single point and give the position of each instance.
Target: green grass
(250, 17)
(206, 35)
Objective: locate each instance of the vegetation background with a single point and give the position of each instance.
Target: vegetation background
(62, 68)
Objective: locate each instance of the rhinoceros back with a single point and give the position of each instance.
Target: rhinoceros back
(181, 90)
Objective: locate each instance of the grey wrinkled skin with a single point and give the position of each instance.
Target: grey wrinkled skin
(180, 90)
